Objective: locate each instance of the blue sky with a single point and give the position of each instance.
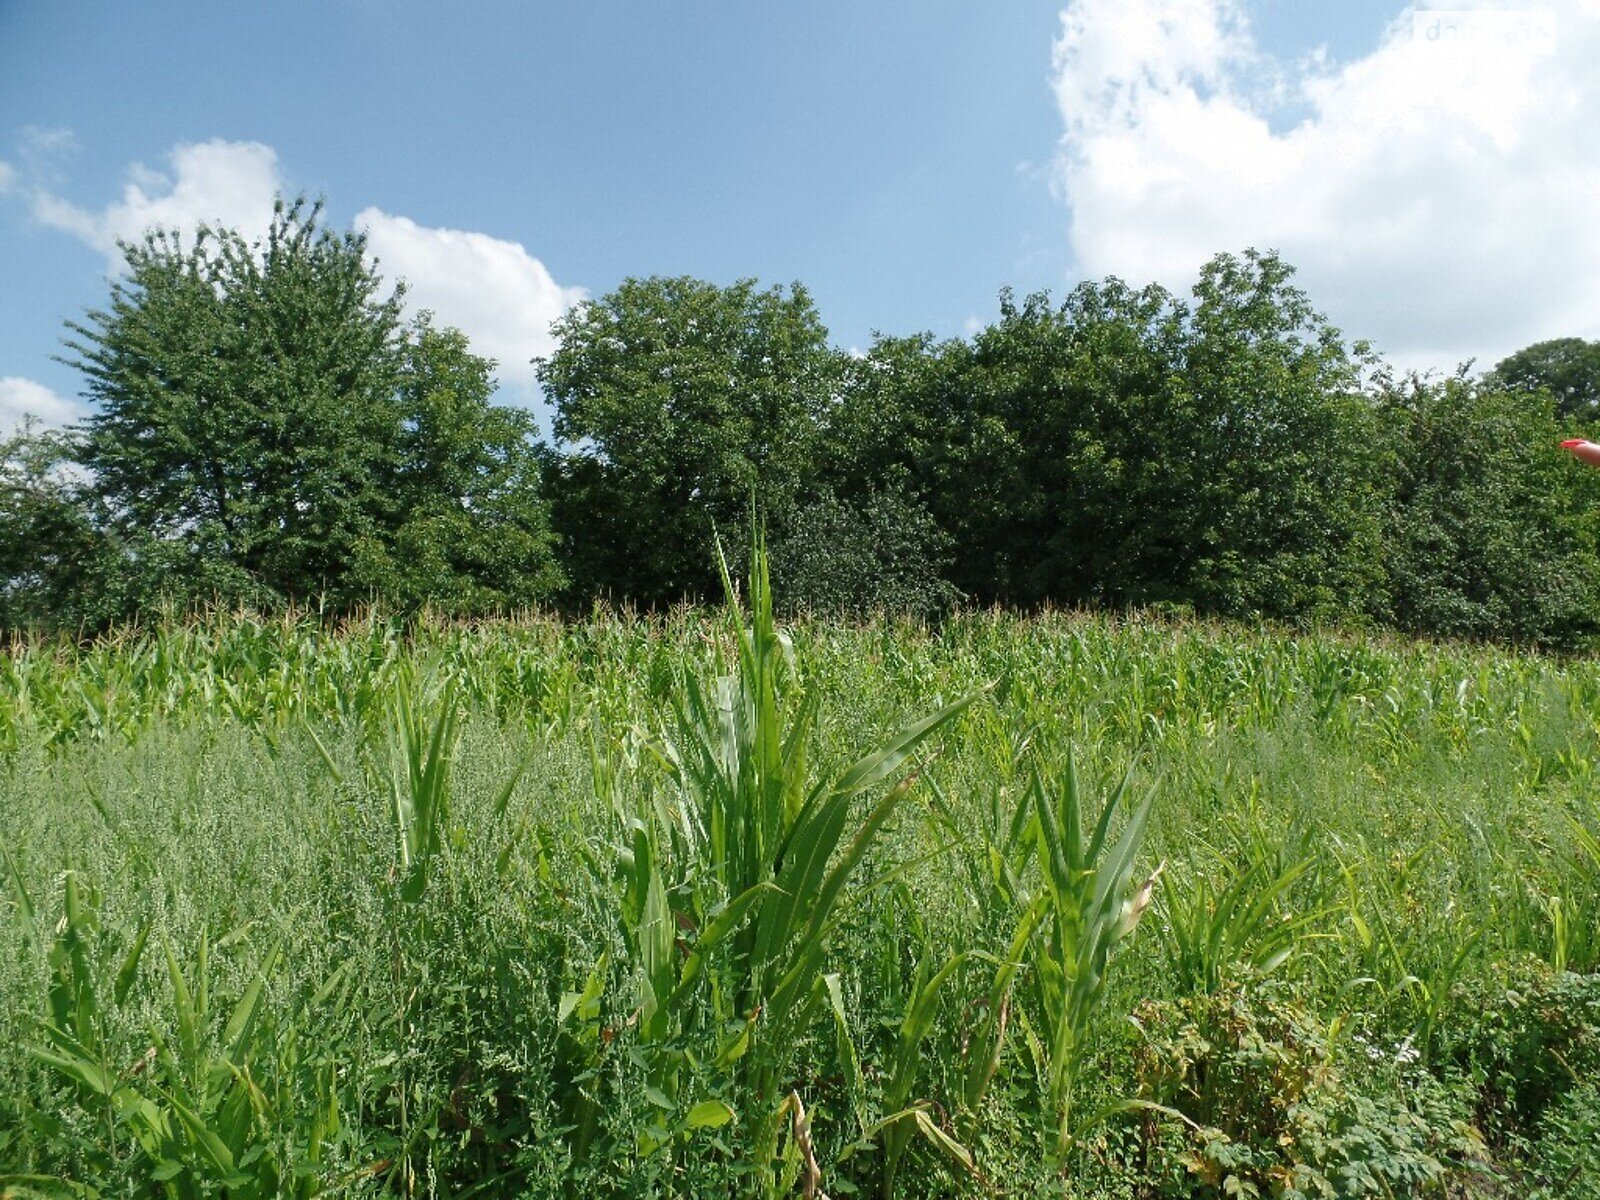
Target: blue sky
(903, 160)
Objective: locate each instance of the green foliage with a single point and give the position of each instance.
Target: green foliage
(680, 399)
(1537, 1040)
(1271, 450)
(1086, 906)
(1068, 402)
(268, 431)
(1225, 920)
(1491, 531)
(469, 530)
(880, 553)
(245, 397)
(1269, 1108)
(1127, 448)
(617, 908)
(729, 886)
(1567, 368)
(201, 1112)
(52, 556)
(904, 425)
(267, 428)
(421, 752)
(65, 564)
(1566, 1161)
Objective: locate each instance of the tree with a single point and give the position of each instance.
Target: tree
(1076, 483)
(63, 564)
(246, 397)
(878, 551)
(895, 495)
(49, 547)
(262, 408)
(1567, 368)
(1130, 448)
(679, 400)
(1272, 449)
(1491, 529)
(470, 530)
(1134, 448)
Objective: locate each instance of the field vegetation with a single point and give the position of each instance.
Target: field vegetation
(1086, 893)
(694, 904)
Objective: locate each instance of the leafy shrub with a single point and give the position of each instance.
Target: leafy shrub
(1536, 1039)
(881, 553)
(1566, 1158)
(1268, 1108)
(1490, 534)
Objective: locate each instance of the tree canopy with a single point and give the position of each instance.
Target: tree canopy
(262, 407)
(268, 427)
(681, 400)
(1567, 368)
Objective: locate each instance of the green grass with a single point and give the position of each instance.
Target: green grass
(696, 905)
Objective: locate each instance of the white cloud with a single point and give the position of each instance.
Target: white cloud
(1438, 196)
(219, 183)
(8, 177)
(23, 397)
(502, 297)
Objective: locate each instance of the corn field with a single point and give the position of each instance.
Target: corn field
(708, 905)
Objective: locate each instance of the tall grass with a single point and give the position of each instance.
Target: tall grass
(695, 905)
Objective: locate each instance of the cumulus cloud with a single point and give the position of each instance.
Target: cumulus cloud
(21, 398)
(502, 297)
(218, 183)
(1438, 195)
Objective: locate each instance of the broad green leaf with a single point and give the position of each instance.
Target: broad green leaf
(709, 1114)
(24, 901)
(80, 1069)
(873, 768)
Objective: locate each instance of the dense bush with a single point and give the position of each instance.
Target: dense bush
(1274, 1104)
(1489, 533)
(880, 553)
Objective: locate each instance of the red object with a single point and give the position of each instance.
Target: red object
(1583, 451)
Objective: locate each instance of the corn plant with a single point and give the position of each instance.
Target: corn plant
(421, 753)
(745, 864)
(1575, 919)
(413, 779)
(994, 862)
(905, 1117)
(1224, 918)
(205, 1108)
(1418, 976)
(1086, 906)
(1065, 927)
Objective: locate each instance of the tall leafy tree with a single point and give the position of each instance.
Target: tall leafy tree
(246, 397)
(890, 523)
(64, 565)
(679, 400)
(1567, 368)
(50, 550)
(1273, 450)
(1491, 530)
(467, 528)
(1130, 447)
(263, 413)
(1076, 488)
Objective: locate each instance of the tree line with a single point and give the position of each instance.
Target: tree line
(269, 429)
